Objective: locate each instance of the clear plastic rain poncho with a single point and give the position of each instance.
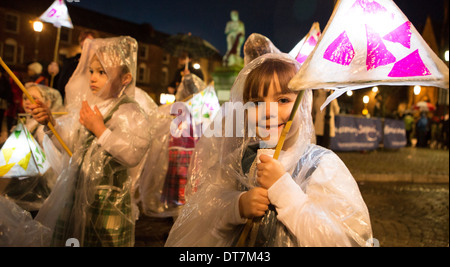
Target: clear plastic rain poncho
(319, 205)
(257, 45)
(91, 200)
(161, 184)
(18, 229)
(31, 192)
(190, 84)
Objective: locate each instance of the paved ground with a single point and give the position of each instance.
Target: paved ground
(408, 215)
(406, 192)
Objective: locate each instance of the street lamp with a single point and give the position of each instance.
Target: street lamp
(196, 66)
(446, 55)
(37, 27)
(375, 89)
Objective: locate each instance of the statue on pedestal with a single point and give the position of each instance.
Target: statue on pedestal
(235, 31)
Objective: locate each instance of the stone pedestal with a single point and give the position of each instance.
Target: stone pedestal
(224, 78)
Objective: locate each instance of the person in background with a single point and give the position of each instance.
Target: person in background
(35, 74)
(422, 130)
(16, 106)
(408, 119)
(320, 115)
(30, 193)
(184, 59)
(6, 97)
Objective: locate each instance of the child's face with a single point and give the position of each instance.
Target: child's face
(98, 77)
(36, 94)
(271, 123)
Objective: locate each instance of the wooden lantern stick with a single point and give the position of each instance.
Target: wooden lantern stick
(27, 94)
(253, 224)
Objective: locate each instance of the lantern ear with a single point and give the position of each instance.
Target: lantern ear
(302, 50)
(368, 43)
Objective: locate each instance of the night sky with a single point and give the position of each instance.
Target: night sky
(285, 22)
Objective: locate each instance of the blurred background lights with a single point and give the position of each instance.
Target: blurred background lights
(166, 99)
(366, 99)
(417, 90)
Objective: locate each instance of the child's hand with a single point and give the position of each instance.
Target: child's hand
(41, 113)
(269, 171)
(254, 203)
(92, 119)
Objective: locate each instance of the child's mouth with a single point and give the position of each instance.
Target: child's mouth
(278, 126)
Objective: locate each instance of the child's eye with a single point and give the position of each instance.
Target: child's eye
(91, 71)
(284, 100)
(102, 72)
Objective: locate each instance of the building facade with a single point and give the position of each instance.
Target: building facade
(20, 45)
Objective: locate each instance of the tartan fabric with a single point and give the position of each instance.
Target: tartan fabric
(107, 219)
(174, 185)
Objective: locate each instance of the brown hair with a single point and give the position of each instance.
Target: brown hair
(84, 34)
(258, 81)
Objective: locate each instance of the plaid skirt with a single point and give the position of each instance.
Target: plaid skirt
(107, 221)
(176, 177)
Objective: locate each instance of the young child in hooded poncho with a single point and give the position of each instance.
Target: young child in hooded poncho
(109, 134)
(305, 198)
(30, 193)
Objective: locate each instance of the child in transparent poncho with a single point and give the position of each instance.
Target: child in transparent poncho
(306, 198)
(47, 95)
(108, 134)
(30, 193)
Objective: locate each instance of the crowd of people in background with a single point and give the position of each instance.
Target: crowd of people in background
(425, 128)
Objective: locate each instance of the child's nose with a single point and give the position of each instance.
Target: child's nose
(271, 110)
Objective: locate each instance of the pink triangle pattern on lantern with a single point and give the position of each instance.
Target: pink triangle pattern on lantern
(401, 35)
(369, 6)
(340, 50)
(369, 43)
(377, 53)
(312, 40)
(301, 58)
(412, 65)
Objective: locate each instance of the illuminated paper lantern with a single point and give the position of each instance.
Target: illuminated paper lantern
(203, 106)
(302, 50)
(21, 155)
(58, 15)
(368, 43)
